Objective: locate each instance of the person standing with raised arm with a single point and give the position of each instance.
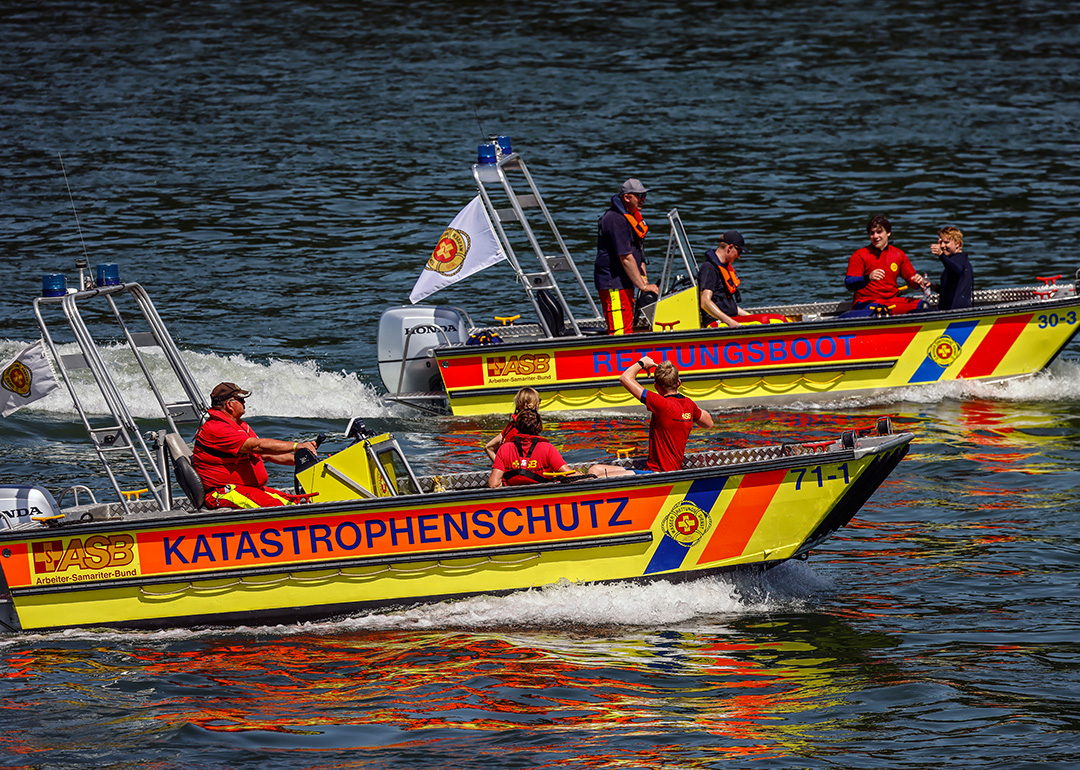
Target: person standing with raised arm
(957, 279)
(673, 417)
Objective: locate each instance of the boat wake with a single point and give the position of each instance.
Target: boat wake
(283, 388)
(789, 587)
(656, 604)
(1059, 382)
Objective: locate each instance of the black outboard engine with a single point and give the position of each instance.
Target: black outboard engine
(357, 431)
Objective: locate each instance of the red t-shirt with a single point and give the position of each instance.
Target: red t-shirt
(544, 457)
(893, 261)
(672, 418)
(217, 457)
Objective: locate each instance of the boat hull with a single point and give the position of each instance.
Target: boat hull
(768, 364)
(289, 564)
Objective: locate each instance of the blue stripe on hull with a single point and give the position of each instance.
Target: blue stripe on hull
(930, 370)
(670, 553)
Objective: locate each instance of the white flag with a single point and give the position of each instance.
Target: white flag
(467, 246)
(25, 378)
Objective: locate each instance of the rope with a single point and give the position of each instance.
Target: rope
(760, 383)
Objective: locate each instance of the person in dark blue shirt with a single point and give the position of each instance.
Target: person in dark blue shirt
(620, 258)
(957, 280)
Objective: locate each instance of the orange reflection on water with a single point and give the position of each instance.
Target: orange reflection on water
(734, 694)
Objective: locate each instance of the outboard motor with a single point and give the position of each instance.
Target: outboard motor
(406, 337)
(18, 503)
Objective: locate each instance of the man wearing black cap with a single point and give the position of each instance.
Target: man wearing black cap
(228, 456)
(718, 286)
(620, 258)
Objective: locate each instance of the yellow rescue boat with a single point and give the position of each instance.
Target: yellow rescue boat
(436, 358)
(379, 535)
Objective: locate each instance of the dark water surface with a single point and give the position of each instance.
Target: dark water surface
(276, 174)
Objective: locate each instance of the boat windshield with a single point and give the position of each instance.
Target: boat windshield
(396, 471)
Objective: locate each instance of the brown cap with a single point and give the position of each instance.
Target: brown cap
(226, 390)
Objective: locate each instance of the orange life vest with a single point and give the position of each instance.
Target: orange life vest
(638, 223)
(727, 273)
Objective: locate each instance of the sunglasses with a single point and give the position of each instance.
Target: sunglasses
(241, 399)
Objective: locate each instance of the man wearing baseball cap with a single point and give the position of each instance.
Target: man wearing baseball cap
(228, 456)
(620, 257)
(718, 286)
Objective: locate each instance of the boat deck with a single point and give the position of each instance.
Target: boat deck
(147, 510)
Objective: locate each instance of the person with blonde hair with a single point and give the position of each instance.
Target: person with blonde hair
(673, 417)
(957, 279)
(526, 398)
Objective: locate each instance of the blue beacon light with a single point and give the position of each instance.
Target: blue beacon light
(504, 145)
(53, 285)
(485, 154)
(108, 274)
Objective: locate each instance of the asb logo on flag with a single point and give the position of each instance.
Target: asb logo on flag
(468, 236)
(25, 378)
(450, 253)
(17, 379)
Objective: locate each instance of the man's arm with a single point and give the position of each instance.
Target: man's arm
(628, 379)
(495, 478)
(704, 419)
(492, 446)
(711, 308)
(280, 452)
(636, 275)
(910, 275)
(857, 277)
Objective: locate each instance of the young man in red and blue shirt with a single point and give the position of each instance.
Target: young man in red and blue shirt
(872, 272)
(673, 417)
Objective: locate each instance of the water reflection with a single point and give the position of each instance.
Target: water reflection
(753, 686)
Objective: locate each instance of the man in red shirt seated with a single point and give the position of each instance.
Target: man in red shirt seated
(228, 456)
(673, 417)
(872, 272)
(526, 457)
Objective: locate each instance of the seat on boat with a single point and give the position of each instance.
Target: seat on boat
(552, 312)
(186, 476)
(555, 318)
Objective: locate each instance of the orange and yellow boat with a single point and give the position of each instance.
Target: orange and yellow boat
(436, 358)
(378, 534)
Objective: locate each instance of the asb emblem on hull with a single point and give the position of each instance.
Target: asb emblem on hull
(449, 253)
(686, 523)
(943, 351)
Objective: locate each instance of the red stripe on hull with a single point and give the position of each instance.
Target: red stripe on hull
(998, 341)
(742, 516)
